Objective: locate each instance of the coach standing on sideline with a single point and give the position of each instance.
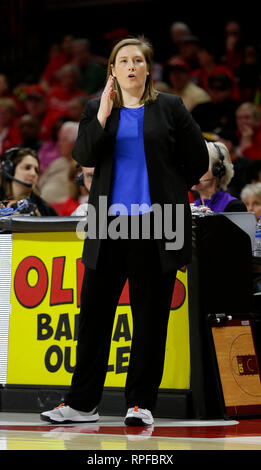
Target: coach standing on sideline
(146, 149)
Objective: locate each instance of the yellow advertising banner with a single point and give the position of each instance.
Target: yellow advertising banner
(47, 275)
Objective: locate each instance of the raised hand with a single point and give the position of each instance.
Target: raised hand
(106, 102)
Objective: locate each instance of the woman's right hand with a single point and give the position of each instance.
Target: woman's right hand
(106, 102)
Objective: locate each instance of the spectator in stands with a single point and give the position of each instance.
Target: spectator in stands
(76, 107)
(248, 74)
(49, 76)
(30, 131)
(178, 31)
(212, 187)
(210, 66)
(35, 101)
(189, 46)
(49, 150)
(6, 92)
(251, 196)
(177, 73)
(233, 45)
(249, 131)
(219, 112)
(54, 182)
(4, 86)
(76, 203)
(59, 97)
(9, 131)
(241, 164)
(36, 105)
(22, 164)
(87, 175)
(92, 74)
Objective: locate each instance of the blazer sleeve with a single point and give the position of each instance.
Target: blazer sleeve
(91, 137)
(194, 158)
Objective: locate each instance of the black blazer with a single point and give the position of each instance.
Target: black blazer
(176, 157)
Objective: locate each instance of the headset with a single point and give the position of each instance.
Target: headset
(219, 169)
(8, 168)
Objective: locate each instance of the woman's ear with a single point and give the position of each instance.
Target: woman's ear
(112, 71)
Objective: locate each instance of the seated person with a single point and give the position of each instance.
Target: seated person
(177, 73)
(212, 187)
(249, 131)
(54, 182)
(84, 181)
(251, 196)
(18, 180)
(9, 131)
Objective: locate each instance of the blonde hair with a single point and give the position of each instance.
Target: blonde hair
(252, 108)
(214, 157)
(250, 190)
(150, 93)
(70, 128)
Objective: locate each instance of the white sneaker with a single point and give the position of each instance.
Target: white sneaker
(138, 417)
(66, 414)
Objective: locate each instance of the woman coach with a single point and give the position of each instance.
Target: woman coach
(146, 149)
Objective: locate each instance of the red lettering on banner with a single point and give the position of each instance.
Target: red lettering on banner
(124, 298)
(179, 295)
(30, 296)
(79, 273)
(59, 295)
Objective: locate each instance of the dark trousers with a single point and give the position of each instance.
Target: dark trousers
(150, 295)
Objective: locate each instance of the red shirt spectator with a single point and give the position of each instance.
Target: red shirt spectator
(9, 131)
(56, 62)
(5, 92)
(49, 76)
(36, 105)
(60, 96)
(209, 67)
(253, 151)
(233, 45)
(67, 207)
(249, 131)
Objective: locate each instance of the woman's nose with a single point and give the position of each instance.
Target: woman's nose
(33, 172)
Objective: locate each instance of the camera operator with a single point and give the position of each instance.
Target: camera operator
(19, 175)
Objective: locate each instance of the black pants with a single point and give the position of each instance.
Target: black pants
(150, 298)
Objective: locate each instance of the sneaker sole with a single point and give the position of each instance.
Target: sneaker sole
(131, 421)
(67, 421)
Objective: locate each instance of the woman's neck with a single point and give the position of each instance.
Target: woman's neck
(132, 100)
(19, 191)
(207, 193)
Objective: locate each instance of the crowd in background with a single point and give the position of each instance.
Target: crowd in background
(219, 81)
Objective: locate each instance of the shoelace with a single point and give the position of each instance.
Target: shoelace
(59, 406)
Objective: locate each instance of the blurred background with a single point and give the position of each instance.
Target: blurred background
(30, 29)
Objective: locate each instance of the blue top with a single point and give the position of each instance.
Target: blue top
(130, 184)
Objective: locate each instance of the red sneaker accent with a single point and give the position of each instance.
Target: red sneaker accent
(59, 406)
(136, 408)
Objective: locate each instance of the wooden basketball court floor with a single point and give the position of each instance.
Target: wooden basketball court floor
(25, 431)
